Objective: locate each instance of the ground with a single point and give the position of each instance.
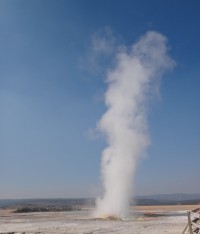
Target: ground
(157, 219)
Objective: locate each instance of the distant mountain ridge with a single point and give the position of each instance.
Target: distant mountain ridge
(147, 200)
(56, 202)
(171, 197)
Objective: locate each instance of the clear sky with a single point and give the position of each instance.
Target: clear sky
(51, 95)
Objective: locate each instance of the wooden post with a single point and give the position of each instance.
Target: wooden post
(189, 223)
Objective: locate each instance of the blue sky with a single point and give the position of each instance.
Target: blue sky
(51, 95)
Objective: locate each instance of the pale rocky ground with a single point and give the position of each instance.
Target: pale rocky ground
(81, 222)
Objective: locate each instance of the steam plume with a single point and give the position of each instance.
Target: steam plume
(133, 81)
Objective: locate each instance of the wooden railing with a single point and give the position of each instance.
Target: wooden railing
(193, 225)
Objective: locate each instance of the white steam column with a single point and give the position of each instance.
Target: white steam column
(133, 81)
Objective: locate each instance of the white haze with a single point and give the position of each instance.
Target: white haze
(131, 83)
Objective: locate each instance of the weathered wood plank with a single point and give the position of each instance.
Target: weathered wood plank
(195, 225)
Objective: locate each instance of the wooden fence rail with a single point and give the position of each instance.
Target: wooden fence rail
(193, 225)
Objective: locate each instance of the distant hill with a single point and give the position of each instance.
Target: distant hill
(167, 199)
(171, 197)
(147, 200)
(57, 202)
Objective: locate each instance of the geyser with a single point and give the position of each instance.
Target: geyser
(131, 84)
